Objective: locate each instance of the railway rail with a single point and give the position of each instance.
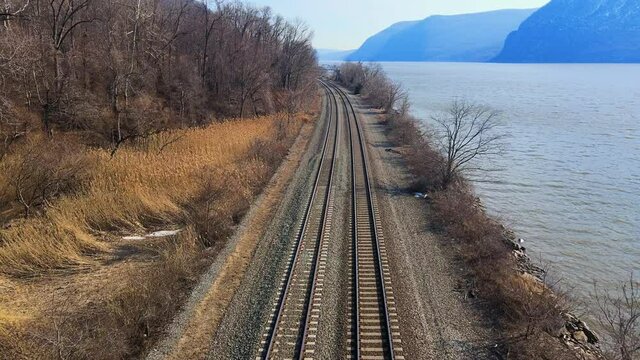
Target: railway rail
(373, 325)
(374, 333)
(294, 312)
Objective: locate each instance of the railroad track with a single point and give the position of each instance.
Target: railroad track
(373, 325)
(294, 322)
(374, 332)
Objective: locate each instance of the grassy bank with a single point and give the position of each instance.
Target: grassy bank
(70, 285)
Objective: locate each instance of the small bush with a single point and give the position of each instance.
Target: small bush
(423, 161)
(225, 198)
(42, 171)
(270, 152)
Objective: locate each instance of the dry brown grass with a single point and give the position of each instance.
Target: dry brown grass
(194, 342)
(143, 185)
(71, 288)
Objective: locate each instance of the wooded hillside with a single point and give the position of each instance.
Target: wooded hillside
(119, 69)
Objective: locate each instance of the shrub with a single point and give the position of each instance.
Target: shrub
(422, 160)
(42, 171)
(224, 199)
(619, 317)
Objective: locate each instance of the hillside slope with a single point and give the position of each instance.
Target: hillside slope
(469, 37)
(577, 31)
(332, 55)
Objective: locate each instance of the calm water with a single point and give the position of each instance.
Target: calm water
(569, 182)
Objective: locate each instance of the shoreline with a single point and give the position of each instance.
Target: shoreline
(510, 282)
(575, 333)
(565, 183)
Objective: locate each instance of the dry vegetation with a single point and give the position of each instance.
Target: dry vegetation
(142, 186)
(619, 318)
(372, 82)
(530, 310)
(118, 70)
(199, 180)
(112, 123)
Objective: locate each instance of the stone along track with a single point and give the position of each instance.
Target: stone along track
(292, 330)
(374, 331)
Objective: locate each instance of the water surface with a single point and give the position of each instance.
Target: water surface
(569, 182)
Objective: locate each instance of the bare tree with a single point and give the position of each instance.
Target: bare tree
(57, 21)
(619, 317)
(465, 132)
(210, 21)
(11, 129)
(85, 64)
(10, 10)
(394, 94)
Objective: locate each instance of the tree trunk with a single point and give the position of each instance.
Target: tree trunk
(46, 119)
(58, 71)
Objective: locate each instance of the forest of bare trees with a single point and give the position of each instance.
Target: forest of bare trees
(120, 69)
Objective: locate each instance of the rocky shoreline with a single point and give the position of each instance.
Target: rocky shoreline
(575, 333)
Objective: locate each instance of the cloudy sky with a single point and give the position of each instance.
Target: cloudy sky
(345, 24)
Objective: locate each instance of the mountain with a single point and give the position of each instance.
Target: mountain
(577, 31)
(469, 37)
(333, 55)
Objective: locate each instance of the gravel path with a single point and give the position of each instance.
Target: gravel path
(436, 320)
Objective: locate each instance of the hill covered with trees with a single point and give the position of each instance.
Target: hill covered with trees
(119, 118)
(121, 69)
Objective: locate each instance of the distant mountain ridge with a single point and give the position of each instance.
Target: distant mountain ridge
(469, 37)
(577, 31)
(333, 55)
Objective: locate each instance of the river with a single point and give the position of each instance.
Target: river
(569, 181)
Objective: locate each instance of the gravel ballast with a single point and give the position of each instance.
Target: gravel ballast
(241, 330)
(436, 321)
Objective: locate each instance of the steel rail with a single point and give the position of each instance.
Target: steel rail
(300, 237)
(307, 310)
(373, 221)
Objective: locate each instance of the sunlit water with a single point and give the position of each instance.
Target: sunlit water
(569, 182)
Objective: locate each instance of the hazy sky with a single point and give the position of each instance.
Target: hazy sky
(345, 24)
